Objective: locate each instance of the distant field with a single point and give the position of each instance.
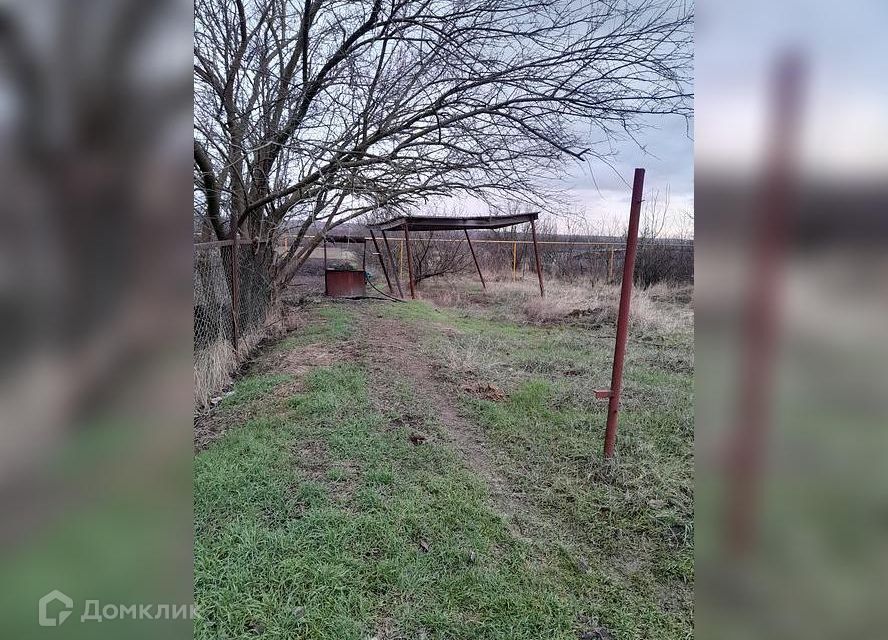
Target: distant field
(433, 470)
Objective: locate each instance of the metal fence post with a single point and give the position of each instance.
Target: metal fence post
(613, 407)
(536, 256)
(401, 262)
(761, 325)
(409, 260)
(235, 290)
(477, 266)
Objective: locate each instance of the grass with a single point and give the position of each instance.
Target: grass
(285, 549)
(334, 324)
(657, 309)
(632, 523)
(252, 388)
(321, 519)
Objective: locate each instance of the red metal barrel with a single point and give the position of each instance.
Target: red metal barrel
(347, 283)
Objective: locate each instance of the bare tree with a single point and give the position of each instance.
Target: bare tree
(662, 257)
(654, 215)
(324, 110)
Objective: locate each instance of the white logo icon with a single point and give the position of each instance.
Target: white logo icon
(49, 598)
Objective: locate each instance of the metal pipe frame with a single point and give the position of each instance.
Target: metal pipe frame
(477, 266)
(381, 261)
(409, 261)
(391, 258)
(536, 255)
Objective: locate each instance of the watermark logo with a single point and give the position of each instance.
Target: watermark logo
(43, 609)
(96, 611)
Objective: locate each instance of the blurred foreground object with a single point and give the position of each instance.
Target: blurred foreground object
(770, 222)
(95, 382)
(792, 322)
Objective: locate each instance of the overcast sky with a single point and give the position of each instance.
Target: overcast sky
(668, 159)
(601, 190)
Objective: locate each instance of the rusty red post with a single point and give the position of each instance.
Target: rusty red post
(761, 326)
(409, 260)
(477, 266)
(388, 250)
(613, 406)
(326, 292)
(536, 256)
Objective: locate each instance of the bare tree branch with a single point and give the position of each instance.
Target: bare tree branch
(325, 110)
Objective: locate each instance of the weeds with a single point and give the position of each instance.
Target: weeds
(660, 308)
(213, 367)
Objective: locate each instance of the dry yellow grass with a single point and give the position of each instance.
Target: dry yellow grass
(474, 356)
(659, 308)
(215, 365)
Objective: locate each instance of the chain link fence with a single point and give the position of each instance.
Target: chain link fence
(223, 337)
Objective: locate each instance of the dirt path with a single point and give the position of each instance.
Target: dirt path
(391, 347)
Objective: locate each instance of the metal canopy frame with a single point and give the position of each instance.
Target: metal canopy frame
(409, 223)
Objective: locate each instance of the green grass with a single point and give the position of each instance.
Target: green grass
(426, 314)
(629, 524)
(321, 519)
(252, 388)
(335, 323)
(296, 552)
